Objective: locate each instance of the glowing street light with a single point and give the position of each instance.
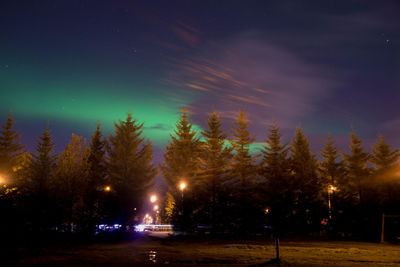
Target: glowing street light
(107, 188)
(155, 208)
(182, 186)
(153, 198)
(332, 188)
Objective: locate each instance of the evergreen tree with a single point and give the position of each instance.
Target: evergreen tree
(130, 168)
(42, 162)
(383, 157)
(11, 158)
(181, 154)
(243, 170)
(40, 170)
(332, 172)
(181, 164)
(243, 166)
(305, 183)
(214, 167)
(10, 150)
(275, 171)
(356, 167)
(70, 181)
(385, 185)
(96, 178)
(331, 167)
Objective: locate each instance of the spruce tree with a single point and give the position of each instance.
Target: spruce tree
(305, 183)
(11, 158)
(385, 185)
(243, 166)
(274, 165)
(243, 171)
(274, 169)
(214, 166)
(42, 162)
(356, 168)
(181, 164)
(331, 167)
(70, 181)
(181, 154)
(383, 157)
(130, 168)
(96, 178)
(10, 150)
(38, 187)
(332, 173)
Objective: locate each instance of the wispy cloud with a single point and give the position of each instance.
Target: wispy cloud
(248, 72)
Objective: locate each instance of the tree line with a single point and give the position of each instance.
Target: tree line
(229, 188)
(87, 183)
(284, 186)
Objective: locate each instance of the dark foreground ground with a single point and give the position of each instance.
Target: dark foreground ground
(158, 249)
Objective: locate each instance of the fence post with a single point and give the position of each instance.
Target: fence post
(383, 228)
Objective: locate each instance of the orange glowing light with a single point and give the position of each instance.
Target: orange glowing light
(182, 186)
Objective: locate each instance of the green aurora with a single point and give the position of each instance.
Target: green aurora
(85, 102)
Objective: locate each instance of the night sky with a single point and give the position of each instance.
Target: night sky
(325, 65)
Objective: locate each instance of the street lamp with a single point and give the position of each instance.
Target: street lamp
(331, 189)
(155, 208)
(153, 198)
(107, 188)
(182, 186)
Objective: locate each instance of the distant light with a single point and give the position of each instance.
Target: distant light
(182, 186)
(107, 188)
(140, 227)
(153, 198)
(153, 227)
(155, 207)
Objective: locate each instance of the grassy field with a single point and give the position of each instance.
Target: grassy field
(157, 250)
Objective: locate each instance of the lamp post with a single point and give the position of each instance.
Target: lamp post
(331, 189)
(182, 187)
